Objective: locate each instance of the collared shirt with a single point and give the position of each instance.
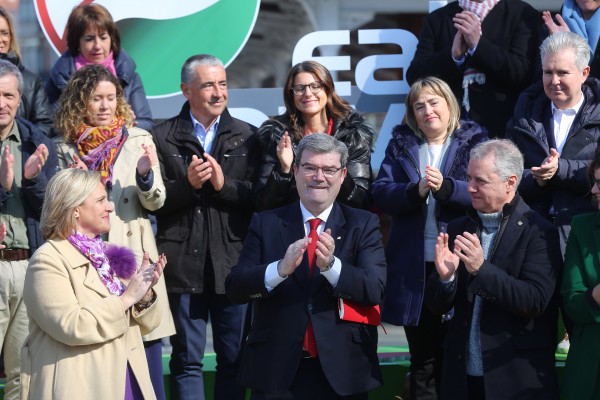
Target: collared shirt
(12, 214)
(272, 277)
(563, 120)
(205, 136)
(461, 60)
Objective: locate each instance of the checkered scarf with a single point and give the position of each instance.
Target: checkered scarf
(472, 75)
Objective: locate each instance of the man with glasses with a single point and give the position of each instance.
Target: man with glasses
(209, 162)
(298, 261)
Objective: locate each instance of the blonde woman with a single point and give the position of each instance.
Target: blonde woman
(95, 122)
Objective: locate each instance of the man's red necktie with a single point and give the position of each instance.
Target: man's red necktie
(310, 343)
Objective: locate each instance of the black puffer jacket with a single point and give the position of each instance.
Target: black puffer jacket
(34, 106)
(276, 188)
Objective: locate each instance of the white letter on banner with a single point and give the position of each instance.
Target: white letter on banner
(366, 67)
(305, 48)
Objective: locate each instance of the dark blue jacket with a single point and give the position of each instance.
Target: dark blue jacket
(64, 68)
(395, 192)
(33, 190)
(532, 131)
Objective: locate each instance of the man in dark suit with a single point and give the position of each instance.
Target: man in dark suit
(497, 267)
(488, 47)
(298, 347)
(209, 163)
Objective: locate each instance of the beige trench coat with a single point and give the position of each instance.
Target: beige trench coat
(81, 338)
(129, 224)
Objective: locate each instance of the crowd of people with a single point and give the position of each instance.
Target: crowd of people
(270, 234)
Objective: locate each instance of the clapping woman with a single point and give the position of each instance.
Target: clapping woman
(95, 122)
(88, 303)
(580, 290)
(312, 106)
(422, 185)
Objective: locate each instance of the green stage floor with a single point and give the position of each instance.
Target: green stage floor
(394, 361)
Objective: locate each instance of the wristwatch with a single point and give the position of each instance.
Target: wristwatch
(328, 267)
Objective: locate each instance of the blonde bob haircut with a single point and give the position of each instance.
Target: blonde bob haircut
(437, 87)
(66, 190)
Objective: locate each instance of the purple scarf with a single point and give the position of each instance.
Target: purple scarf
(112, 262)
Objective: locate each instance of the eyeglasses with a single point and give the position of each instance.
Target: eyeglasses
(5, 34)
(311, 170)
(315, 88)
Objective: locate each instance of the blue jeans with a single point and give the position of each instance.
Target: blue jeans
(191, 313)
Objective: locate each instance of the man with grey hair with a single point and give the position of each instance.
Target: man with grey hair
(298, 264)
(497, 268)
(209, 164)
(556, 125)
(27, 161)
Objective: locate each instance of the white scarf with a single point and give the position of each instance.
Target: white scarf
(472, 75)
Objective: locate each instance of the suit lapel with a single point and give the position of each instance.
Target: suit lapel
(337, 223)
(511, 234)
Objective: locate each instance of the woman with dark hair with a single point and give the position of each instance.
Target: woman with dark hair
(34, 106)
(95, 121)
(312, 106)
(93, 38)
(422, 185)
(580, 291)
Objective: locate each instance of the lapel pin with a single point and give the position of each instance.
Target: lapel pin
(338, 238)
(520, 223)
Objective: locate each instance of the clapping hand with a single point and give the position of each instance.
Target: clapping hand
(34, 164)
(293, 257)
(140, 286)
(199, 172)
(7, 174)
(548, 169)
(446, 262)
(77, 163)
(148, 160)
(552, 26)
(285, 153)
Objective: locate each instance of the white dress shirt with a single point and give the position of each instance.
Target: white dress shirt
(272, 277)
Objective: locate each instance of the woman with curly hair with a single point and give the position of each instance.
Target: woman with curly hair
(312, 106)
(93, 38)
(95, 121)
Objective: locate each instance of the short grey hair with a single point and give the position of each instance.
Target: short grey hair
(188, 71)
(8, 68)
(321, 143)
(560, 41)
(508, 160)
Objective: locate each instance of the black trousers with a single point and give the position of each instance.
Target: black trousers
(309, 383)
(425, 343)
